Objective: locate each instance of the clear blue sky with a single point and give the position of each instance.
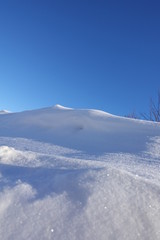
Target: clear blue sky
(79, 53)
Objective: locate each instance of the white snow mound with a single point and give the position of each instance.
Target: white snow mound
(92, 131)
(79, 175)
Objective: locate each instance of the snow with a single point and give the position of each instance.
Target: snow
(91, 131)
(4, 112)
(69, 174)
(60, 107)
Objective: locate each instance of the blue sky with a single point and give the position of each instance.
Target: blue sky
(79, 53)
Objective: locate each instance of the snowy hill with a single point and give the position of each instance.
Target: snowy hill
(92, 131)
(78, 174)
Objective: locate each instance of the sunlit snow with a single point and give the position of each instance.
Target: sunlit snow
(69, 174)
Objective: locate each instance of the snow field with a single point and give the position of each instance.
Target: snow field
(70, 174)
(115, 196)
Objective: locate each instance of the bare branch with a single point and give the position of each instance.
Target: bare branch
(154, 110)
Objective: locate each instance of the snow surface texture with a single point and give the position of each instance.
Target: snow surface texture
(70, 174)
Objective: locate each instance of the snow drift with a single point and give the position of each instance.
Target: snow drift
(92, 131)
(78, 174)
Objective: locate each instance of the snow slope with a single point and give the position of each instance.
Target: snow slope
(92, 131)
(70, 174)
